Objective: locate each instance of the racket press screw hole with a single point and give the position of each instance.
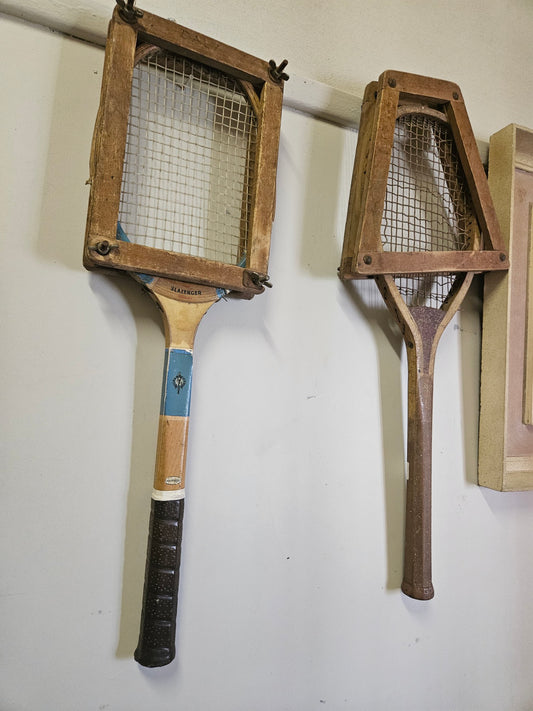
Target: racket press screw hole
(391, 82)
(455, 95)
(367, 259)
(276, 72)
(503, 257)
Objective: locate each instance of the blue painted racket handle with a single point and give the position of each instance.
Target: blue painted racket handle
(156, 645)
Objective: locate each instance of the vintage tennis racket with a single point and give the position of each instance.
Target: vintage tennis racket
(195, 138)
(419, 210)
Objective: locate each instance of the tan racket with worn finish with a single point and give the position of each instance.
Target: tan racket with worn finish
(182, 197)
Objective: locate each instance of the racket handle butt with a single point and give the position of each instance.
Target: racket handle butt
(156, 647)
(418, 592)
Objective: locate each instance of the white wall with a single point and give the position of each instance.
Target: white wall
(289, 596)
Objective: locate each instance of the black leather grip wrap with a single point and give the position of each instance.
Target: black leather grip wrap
(160, 600)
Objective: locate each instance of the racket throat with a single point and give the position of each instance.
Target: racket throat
(422, 340)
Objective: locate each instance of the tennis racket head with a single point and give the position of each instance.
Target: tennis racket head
(419, 201)
(184, 158)
(427, 210)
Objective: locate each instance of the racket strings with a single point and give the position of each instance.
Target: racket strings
(425, 289)
(427, 205)
(190, 151)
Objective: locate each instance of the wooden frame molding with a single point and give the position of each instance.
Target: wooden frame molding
(505, 427)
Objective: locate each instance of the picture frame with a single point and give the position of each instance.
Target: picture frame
(506, 411)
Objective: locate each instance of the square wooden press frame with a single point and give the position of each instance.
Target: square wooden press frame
(265, 90)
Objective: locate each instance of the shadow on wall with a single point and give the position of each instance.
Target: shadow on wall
(468, 321)
(60, 241)
(62, 229)
(328, 175)
(389, 343)
(149, 356)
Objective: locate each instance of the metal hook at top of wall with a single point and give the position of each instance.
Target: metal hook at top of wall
(128, 11)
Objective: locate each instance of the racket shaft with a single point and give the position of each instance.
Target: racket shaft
(417, 542)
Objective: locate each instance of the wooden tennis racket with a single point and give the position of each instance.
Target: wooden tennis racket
(427, 208)
(419, 206)
(192, 141)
